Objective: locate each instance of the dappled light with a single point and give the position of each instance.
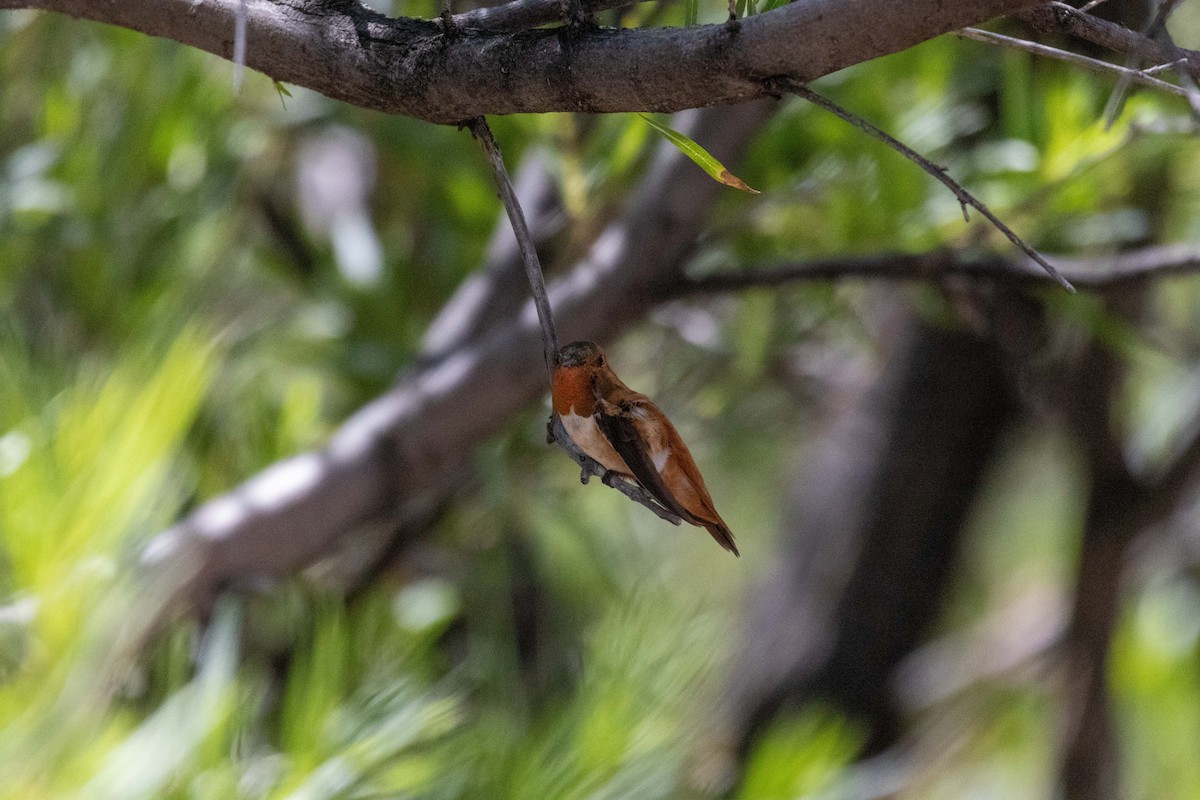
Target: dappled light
(289, 511)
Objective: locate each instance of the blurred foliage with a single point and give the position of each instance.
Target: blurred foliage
(171, 320)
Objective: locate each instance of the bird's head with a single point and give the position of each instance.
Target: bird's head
(581, 354)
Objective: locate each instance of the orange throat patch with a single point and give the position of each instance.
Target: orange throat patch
(572, 389)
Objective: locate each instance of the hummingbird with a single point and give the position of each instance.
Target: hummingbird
(626, 433)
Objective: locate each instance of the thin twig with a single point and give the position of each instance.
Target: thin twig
(239, 47)
(965, 198)
(537, 287)
(533, 267)
(1170, 65)
(1094, 64)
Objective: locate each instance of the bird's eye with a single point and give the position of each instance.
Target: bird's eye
(600, 361)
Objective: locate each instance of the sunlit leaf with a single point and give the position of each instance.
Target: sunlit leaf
(283, 92)
(702, 157)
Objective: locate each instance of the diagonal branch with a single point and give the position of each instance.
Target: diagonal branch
(1155, 32)
(406, 66)
(965, 198)
(529, 256)
(1093, 64)
(1060, 18)
(1164, 493)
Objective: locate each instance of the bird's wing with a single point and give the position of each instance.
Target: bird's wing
(618, 423)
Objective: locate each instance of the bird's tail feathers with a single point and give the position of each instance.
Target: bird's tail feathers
(720, 531)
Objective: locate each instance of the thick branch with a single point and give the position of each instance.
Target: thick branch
(406, 66)
(869, 542)
(1058, 18)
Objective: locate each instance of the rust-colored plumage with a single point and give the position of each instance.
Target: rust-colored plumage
(631, 436)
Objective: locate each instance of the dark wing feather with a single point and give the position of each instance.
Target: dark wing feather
(622, 434)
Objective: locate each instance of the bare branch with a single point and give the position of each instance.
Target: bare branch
(1059, 18)
(1155, 31)
(407, 66)
(1093, 64)
(965, 198)
(533, 267)
(1135, 266)
(495, 292)
(239, 47)
(519, 15)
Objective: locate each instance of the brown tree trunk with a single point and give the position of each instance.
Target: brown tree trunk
(875, 528)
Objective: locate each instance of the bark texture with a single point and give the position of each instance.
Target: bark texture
(408, 66)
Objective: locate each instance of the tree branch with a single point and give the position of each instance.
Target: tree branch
(1088, 63)
(1155, 31)
(529, 257)
(965, 198)
(406, 66)
(1135, 266)
(494, 292)
(1060, 18)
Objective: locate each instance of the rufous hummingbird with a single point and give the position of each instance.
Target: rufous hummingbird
(627, 434)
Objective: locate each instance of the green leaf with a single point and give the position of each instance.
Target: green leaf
(283, 92)
(701, 156)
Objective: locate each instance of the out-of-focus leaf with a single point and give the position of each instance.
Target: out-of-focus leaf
(283, 92)
(702, 157)
(691, 11)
